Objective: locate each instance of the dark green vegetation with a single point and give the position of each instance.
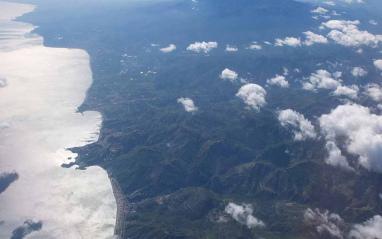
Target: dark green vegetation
(179, 170)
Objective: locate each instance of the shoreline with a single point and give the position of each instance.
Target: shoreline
(123, 205)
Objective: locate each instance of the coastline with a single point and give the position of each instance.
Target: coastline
(123, 206)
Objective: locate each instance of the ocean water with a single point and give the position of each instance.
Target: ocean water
(40, 90)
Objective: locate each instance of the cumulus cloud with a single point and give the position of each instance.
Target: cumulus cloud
(289, 41)
(278, 80)
(243, 215)
(370, 229)
(170, 48)
(358, 71)
(331, 225)
(374, 91)
(228, 74)
(202, 46)
(231, 48)
(302, 128)
(352, 37)
(253, 95)
(378, 64)
(362, 131)
(340, 24)
(3, 82)
(313, 38)
(326, 224)
(351, 92)
(188, 104)
(320, 10)
(347, 33)
(255, 47)
(337, 74)
(335, 157)
(321, 79)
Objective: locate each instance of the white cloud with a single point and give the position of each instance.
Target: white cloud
(335, 157)
(243, 215)
(228, 74)
(332, 224)
(337, 74)
(374, 91)
(378, 64)
(202, 46)
(325, 223)
(278, 80)
(331, 3)
(320, 10)
(321, 79)
(188, 104)
(346, 33)
(302, 128)
(309, 86)
(351, 92)
(371, 229)
(353, 1)
(231, 48)
(267, 42)
(352, 37)
(153, 45)
(170, 48)
(253, 95)
(358, 71)
(362, 131)
(289, 41)
(286, 71)
(255, 47)
(339, 24)
(373, 22)
(313, 38)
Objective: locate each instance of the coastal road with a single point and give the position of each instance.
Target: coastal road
(123, 206)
